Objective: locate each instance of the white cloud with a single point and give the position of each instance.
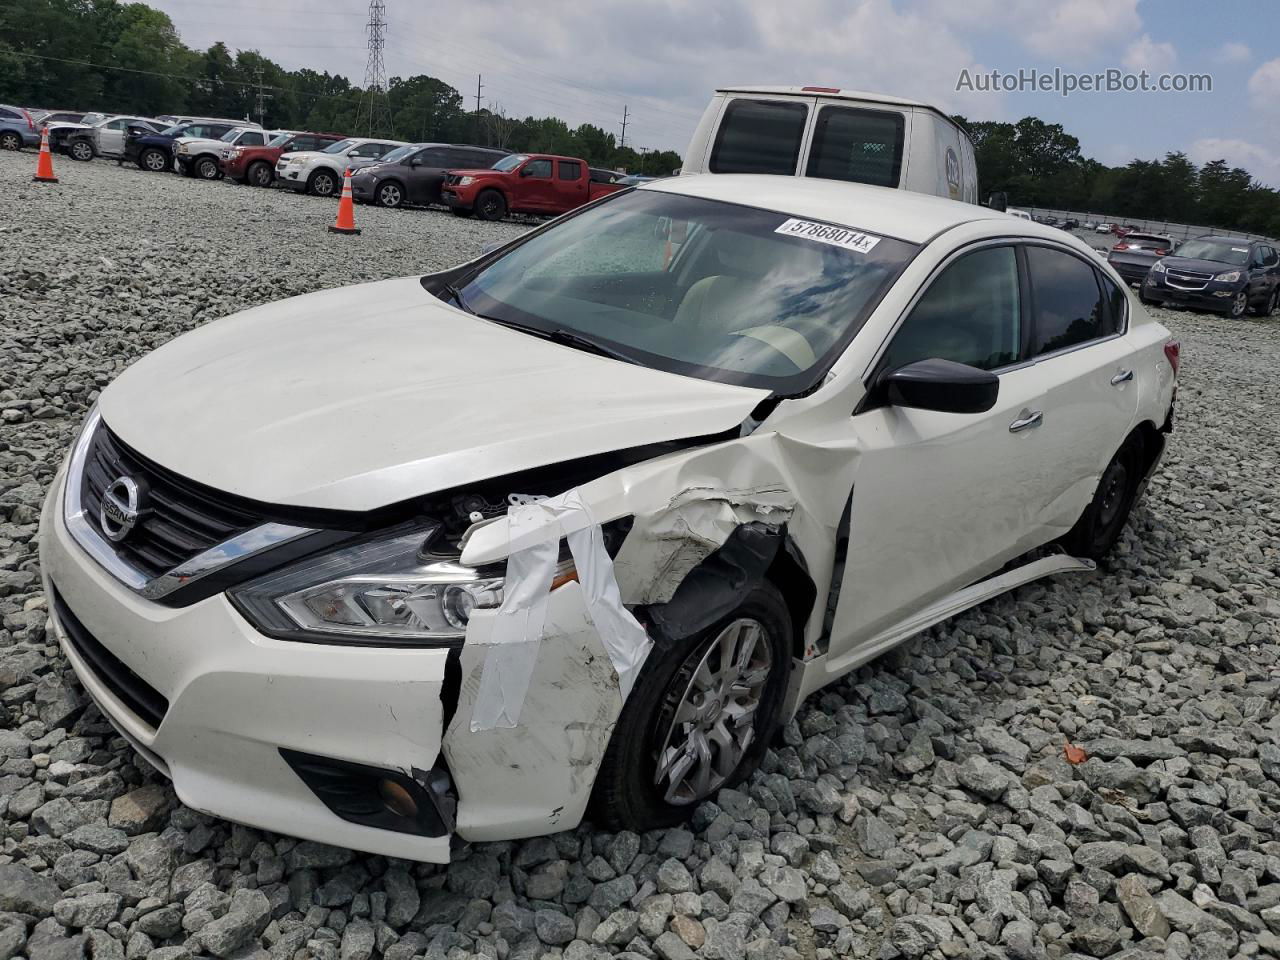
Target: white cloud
(1079, 30)
(1264, 85)
(1150, 55)
(1233, 53)
(1262, 162)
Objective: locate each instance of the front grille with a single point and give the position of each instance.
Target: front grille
(1186, 280)
(112, 672)
(180, 518)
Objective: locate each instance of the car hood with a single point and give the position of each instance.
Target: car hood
(1199, 266)
(202, 141)
(364, 396)
(480, 172)
(68, 126)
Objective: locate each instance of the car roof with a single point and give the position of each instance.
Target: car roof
(890, 212)
(1233, 241)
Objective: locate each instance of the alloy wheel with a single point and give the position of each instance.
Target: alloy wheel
(389, 195)
(207, 169)
(81, 151)
(713, 724)
(1240, 304)
(155, 161)
(10, 141)
(323, 185)
(261, 175)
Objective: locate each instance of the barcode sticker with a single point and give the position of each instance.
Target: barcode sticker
(825, 233)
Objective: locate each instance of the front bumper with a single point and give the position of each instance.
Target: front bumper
(292, 176)
(1215, 296)
(463, 198)
(233, 167)
(363, 189)
(236, 698)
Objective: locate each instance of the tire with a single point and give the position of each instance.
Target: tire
(10, 141)
(81, 150)
(389, 194)
(1240, 305)
(463, 212)
(1268, 308)
(491, 205)
(206, 168)
(1099, 527)
(259, 174)
(628, 792)
(155, 160)
(323, 184)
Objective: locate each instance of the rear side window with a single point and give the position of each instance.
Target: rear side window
(759, 136)
(1069, 307)
(864, 146)
(8, 114)
(972, 313)
(569, 170)
(1269, 257)
(1117, 305)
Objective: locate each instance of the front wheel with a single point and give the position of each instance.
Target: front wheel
(324, 184)
(260, 175)
(81, 150)
(154, 159)
(390, 195)
(207, 168)
(1239, 305)
(702, 712)
(491, 205)
(1099, 527)
(1269, 307)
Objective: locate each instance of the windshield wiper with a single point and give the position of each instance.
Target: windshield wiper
(456, 294)
(571, 338)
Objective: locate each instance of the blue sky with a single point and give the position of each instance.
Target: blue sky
(662, 59)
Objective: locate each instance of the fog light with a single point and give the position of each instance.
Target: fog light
(397, 799)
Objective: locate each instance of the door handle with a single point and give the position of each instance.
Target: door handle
(1124, 376)
(1026, 420)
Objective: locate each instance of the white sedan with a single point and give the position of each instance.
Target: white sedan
(581, 522)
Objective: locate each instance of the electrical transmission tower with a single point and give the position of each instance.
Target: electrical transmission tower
(374, 115)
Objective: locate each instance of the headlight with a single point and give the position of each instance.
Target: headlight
(1158, 267)
(463, 181)
(1231, 276)
(388, 590)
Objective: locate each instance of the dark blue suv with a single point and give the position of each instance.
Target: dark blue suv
(154, 151)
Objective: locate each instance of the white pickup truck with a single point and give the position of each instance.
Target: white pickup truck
(836, 135)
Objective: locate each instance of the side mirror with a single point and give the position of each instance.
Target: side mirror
(526, 171)
(942, 385)
(998, 201)
(415, 161)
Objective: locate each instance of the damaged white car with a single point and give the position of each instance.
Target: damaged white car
(570, 529)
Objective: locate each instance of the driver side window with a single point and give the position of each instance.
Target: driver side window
(971, 313)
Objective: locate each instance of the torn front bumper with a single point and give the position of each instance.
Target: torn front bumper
(232, 699)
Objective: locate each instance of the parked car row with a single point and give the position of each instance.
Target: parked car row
(1226, 276)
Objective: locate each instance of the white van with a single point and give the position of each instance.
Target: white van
(835, 134)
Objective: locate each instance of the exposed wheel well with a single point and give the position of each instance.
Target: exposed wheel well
(790, 575)
(1152, 444)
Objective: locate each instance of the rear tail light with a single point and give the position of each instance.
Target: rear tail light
(1162, 253)
(31, 124)
(1173, 353)
(1121, 246)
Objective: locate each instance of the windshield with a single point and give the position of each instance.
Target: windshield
(1219, 250)
(510, 163)
(174, 131)
(696, 287)
(399, 153)
(231, 134)
(280, 139)
(338, 147)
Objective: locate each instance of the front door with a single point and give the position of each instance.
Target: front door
(942, 499)
(537, 190)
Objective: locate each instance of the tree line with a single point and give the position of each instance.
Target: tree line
(1039, 164)
(128, 58)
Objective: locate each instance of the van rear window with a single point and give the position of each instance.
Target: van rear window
(759, 136)
(864, 146)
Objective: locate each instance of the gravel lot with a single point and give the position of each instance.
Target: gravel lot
(924, 807)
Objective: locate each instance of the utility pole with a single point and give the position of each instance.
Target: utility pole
(374, 112)
(623, 143)
(479, 87)
(262, 97)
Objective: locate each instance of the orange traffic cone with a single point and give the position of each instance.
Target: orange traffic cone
(44, 164)
(346, 209)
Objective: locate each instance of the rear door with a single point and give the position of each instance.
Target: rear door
(1079, 318)
(858, 144)
(761, 135)
(571, 189)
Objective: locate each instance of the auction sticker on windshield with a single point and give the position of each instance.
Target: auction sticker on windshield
(825, 233)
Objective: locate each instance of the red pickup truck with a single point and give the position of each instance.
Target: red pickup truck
(256, 166)
(524, 183)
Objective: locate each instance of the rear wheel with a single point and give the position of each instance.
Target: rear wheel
(323, 183)
(1269, 307)
(81, 150)
(1099, 527)
(491, 205)
(702, 712)
(390, 194)
(10, 141)
(259, 175)
(154, 159)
